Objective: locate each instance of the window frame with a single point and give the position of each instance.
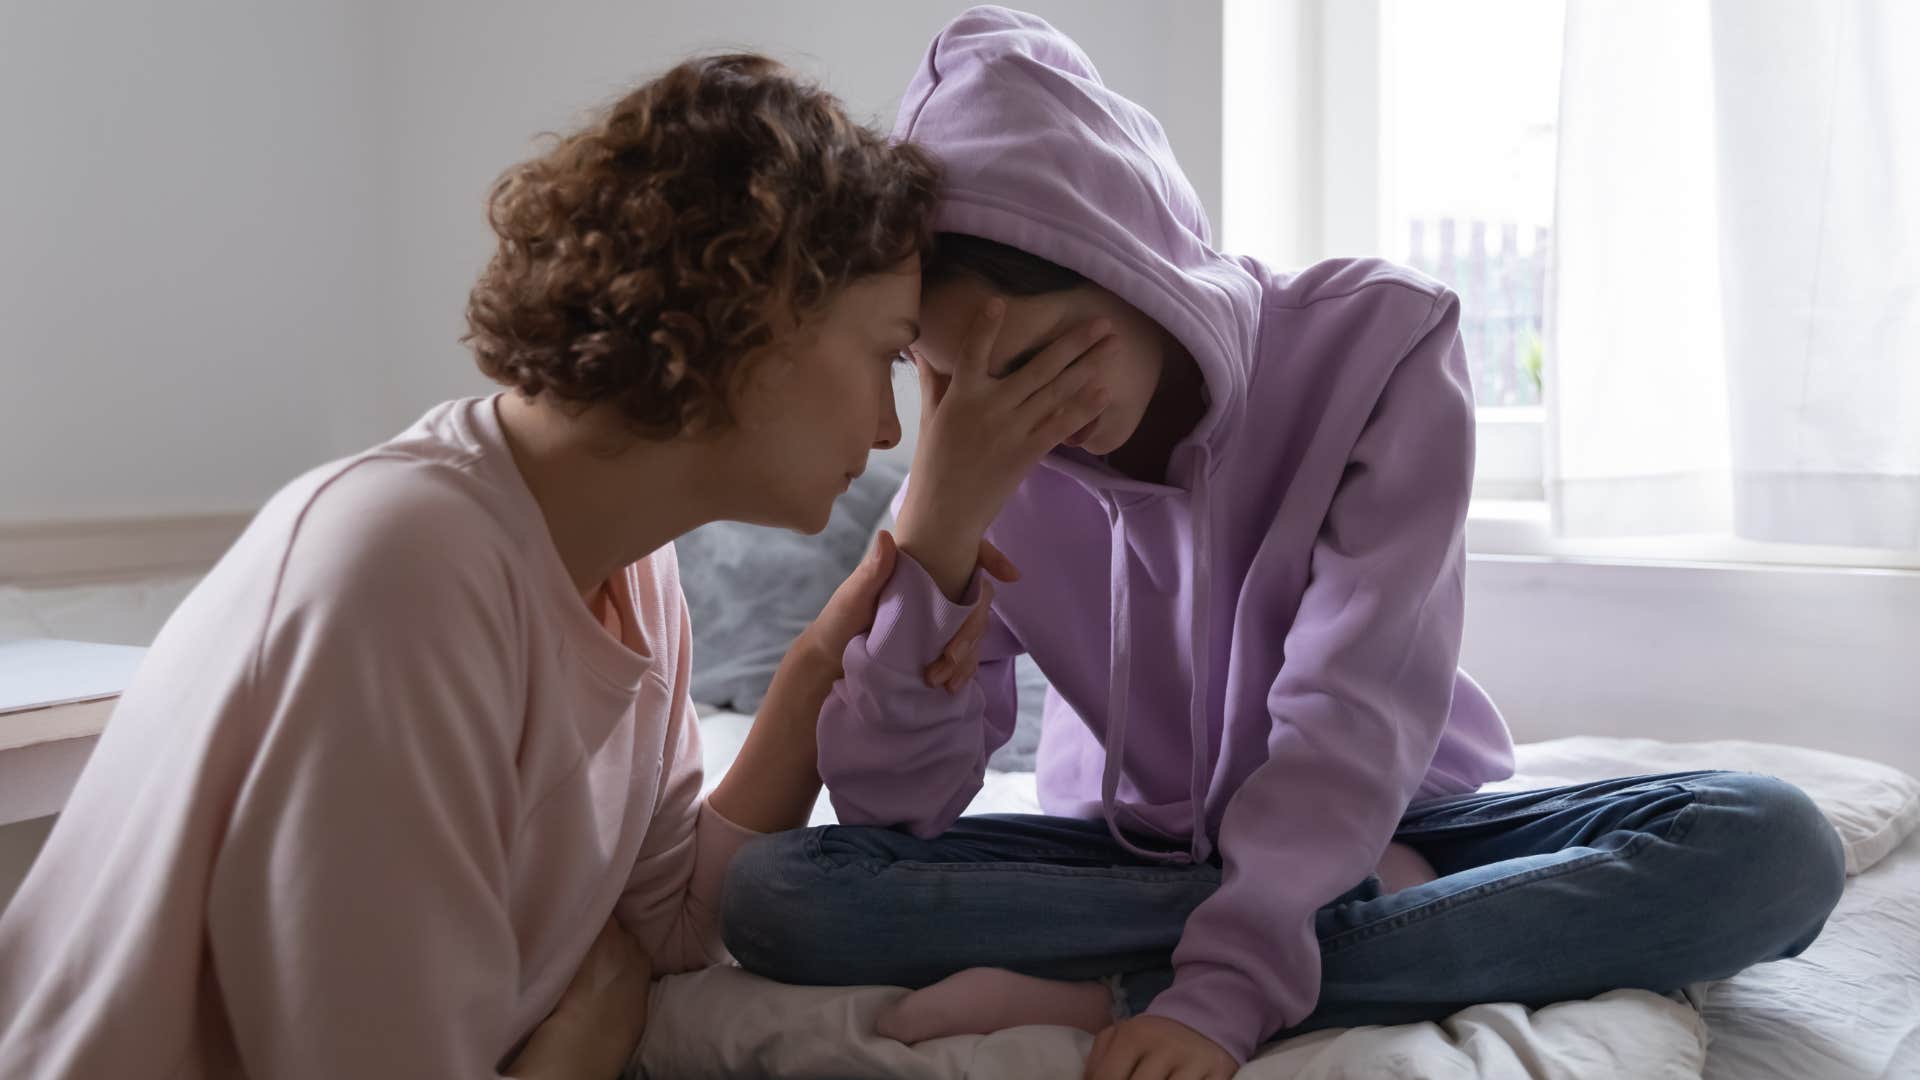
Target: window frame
(1303, 183)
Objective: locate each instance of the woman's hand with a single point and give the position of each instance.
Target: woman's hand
(961, 659)
(1155, 1048)
(593, 1031)
(850, 613)
(979, 434)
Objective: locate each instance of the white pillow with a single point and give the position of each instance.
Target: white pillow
(1872, 806)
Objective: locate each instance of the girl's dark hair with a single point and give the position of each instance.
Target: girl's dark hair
(1007, 269)
(643, 258)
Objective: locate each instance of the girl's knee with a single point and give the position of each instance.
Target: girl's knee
(772, 884)
(1784, 862)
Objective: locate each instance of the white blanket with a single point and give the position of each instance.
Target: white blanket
(726, 1023)
(1847, 1009)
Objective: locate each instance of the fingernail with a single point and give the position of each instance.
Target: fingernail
(996, 308)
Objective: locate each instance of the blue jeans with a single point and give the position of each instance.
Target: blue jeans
(1652, 882)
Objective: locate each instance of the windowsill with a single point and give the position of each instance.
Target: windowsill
(1510, 440)
(1523, 528)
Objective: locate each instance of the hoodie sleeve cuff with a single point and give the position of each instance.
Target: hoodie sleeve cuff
(1220, 1003)
(915, 620)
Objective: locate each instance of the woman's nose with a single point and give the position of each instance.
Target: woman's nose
(888, 436)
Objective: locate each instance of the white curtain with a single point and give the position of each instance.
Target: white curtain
(1734, 311)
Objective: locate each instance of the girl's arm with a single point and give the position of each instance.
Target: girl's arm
(892, 752)
(775, 781)
(1356, 713)
(896, 751)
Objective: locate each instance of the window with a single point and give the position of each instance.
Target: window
(1469, 100)
(1421, 130)
(1429, 131)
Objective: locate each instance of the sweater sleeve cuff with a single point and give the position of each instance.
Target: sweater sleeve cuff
(715, 839)
(915, 620)
(1220, 1003)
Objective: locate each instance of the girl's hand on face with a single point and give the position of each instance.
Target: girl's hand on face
(979, 434)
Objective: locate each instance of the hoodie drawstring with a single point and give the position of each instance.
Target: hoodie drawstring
(1119, 668)
(1199, 632)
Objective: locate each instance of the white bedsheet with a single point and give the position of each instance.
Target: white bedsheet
(727, 1023)
(1846, 1009)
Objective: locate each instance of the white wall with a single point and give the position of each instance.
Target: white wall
(454, 122)
(240, 236)
(186, 204)
(1809, 656)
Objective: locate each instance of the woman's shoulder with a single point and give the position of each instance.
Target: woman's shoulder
(1354, 282)
(1335, 331)
(386, 530)
(434, 492)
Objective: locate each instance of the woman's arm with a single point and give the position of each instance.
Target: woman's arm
(356, 910)
(591, 1034)
(672, 898)
(892, 753)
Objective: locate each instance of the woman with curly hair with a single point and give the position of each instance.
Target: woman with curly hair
(409, 786)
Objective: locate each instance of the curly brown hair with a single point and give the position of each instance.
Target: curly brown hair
(646, 257)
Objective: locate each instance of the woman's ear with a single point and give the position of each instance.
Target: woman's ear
(759, 384)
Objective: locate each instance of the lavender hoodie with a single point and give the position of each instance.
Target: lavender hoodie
(1255, 660)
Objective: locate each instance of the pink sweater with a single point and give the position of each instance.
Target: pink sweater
(378, 785)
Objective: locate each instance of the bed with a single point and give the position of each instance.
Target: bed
(1848, 1009)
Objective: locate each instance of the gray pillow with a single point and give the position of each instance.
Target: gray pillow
(1017, 755)
(751, 590)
